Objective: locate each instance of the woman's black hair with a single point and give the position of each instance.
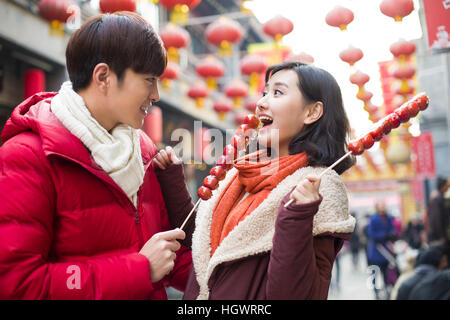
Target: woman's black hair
(324, 140)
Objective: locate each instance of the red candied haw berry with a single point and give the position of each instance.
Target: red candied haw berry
(422, 100)
(211, 182)
(386, 126)
(204, 193)
(224, 162)
(237, 142)
(394, 120)
(403, 114)
(243, 130)
(230, 151)
(252, 121)
(356, 147)
(377, 133)
(367, 141)
(413, 108)
(218, 172)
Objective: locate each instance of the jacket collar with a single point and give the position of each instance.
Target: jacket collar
(35, 114)
(254, 234)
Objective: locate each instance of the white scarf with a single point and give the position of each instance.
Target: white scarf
(118, 153)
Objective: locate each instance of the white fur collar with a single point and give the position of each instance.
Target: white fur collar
(254, 234)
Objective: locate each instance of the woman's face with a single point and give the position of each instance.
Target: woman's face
(282, 111)
(130, 100)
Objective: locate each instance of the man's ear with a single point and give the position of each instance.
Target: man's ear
(314, 113)
(101, 77)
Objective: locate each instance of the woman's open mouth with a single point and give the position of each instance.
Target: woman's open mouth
(266, 121)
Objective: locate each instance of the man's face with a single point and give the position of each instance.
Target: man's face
(130, 99)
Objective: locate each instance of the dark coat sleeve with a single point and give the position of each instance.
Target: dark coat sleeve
(177, 199)
(300, 264)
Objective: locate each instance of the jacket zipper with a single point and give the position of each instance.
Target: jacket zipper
(135, 210)
(137, 220)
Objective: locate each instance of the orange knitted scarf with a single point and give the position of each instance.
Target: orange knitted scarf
(257, 175)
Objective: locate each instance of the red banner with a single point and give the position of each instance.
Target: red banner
(423, 151)
(437, 15)
(417, 190)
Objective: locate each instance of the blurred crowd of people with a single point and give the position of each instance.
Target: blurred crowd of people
(413, 261)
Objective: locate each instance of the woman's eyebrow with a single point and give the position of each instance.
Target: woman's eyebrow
(281, 84)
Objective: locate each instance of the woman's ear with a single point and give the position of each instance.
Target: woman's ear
(101, 76)
(314, 113)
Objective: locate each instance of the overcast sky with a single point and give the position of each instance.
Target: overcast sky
(371, 31)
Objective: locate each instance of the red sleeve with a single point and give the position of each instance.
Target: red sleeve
(177, 199)
(26, 233)
(300, 264)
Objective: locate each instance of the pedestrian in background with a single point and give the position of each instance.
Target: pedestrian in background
(414, 232)
(428, 262)
(380, 232)
(438, 217)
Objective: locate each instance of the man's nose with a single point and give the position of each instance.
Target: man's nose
(154, 95)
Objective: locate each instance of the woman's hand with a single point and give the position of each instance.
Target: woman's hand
(307, 191)
(165, 158)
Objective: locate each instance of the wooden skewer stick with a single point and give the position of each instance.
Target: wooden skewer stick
(325, 171)
(190, 213)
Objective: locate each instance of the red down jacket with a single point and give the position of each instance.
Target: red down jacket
(67, 231)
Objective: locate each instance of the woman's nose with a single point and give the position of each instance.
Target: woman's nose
(261, 104)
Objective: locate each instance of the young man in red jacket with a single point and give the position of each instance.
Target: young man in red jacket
(82, 215)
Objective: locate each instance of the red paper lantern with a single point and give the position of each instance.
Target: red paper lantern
(402, 49)
(351, 55)
(210, 68)
(240, 117)
(253, 65)
(301, 57)
(174, 38)
(403, 71)
(224, 33)
(153, 125)
(172, 72)
(364, 95)
(236, 89)
(404, 87)
(359, 78)
(179, 9)
(222, 106)
(57, 12)
(250, 103)
(33, 82)
(339, 17)
(111, 6)
(278, 27)
(198, 91)
(397, 9)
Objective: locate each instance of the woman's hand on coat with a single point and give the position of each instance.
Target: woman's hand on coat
(160, 252)
(165, 158)
(306, 191)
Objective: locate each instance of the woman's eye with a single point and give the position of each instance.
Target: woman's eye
(277, 92)
(264, 93)
(151, 80)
